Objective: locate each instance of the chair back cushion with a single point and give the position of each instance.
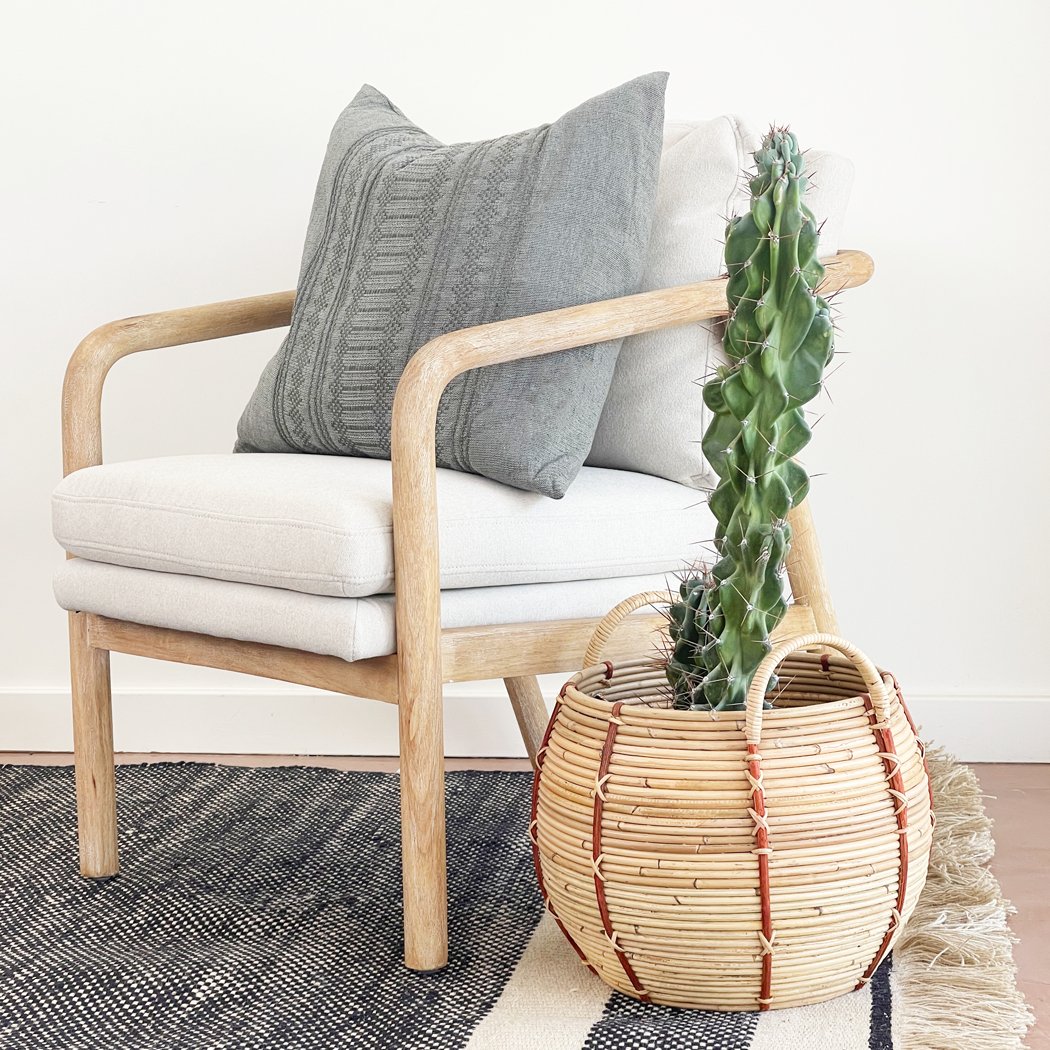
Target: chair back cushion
(654, 416)
(410, 238)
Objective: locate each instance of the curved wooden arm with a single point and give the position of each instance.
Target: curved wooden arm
(99, 351)
(414, 422)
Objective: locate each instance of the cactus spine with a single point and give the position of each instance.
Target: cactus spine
(778, 338)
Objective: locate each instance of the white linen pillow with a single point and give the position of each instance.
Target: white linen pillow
(654, 415)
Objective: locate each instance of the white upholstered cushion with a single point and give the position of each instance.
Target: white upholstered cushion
(322, 524)
(351, 628)
(654, 415)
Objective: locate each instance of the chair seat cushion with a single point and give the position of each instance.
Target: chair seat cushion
(322, 524)
(350, 628)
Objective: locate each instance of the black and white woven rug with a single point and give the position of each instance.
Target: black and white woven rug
(261, 908)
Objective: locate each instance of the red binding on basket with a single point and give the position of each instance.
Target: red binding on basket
(596, 853)
(762, 848)
(922, 746)
(891, 762)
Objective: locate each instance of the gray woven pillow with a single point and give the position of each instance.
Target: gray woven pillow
(410, 238)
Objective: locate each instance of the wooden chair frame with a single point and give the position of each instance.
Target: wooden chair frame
(427, 655)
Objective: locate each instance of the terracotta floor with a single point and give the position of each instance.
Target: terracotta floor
(1018, 800)
(1019, 803)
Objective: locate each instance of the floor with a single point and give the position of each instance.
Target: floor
(1018, 800)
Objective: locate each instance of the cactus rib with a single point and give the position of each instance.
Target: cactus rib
(779, 338)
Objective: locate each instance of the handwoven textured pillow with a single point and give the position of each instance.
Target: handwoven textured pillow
(654, 415)
(410, 238)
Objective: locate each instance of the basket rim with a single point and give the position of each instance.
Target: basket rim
(777, 714)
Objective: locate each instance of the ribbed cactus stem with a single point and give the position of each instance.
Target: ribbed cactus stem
(778, 338)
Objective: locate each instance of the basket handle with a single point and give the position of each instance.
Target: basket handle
(756, 694)
(614, 617)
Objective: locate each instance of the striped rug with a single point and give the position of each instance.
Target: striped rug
(590, 1015)
(261, 908)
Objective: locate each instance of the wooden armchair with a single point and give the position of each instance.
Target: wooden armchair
(427, 655)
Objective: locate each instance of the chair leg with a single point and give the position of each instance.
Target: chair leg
(93, 749)
(530, 710)
(805, 566)
(420, 721)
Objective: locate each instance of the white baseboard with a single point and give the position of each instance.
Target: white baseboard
(478, 722)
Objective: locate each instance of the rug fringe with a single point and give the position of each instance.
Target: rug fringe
(953, 967)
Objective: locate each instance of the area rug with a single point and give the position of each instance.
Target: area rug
(261, 908)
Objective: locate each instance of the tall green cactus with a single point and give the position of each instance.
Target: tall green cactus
(778, 338)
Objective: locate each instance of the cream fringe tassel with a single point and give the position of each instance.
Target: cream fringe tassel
(953, 972)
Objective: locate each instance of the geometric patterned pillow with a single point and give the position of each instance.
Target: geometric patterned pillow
(410, 238)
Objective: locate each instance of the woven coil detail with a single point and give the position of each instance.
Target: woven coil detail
(895, 789)
(534, 837)
(597, 855)
(767, 938)
(915, 732)
(734, 860)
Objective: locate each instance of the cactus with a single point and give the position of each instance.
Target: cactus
(778, 338)
(688, 630)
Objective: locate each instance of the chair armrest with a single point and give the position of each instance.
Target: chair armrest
(99, 351)
(435, 365)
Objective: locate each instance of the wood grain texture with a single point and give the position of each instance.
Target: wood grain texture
(416, 558)
(805, 567)
(514, 650)
(613, 636)
(426, 656)
(609, 625)
(530, 710)
(101, 349)
(375, 679)
(472, 654)
(93, 745)
(548, 647)
(104, 347)
(423, 843)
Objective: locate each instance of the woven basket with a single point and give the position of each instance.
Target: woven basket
(732, 861)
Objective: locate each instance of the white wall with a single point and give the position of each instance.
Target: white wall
(154, 156)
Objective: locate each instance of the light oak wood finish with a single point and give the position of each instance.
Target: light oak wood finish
(526, 698)
(415, 519)
(93, 745)
(375, 679)
(805, 567)
(472, 654)
(548, 647)
(427, 656)
(104, 347)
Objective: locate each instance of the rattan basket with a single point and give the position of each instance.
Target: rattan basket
(732, 861)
